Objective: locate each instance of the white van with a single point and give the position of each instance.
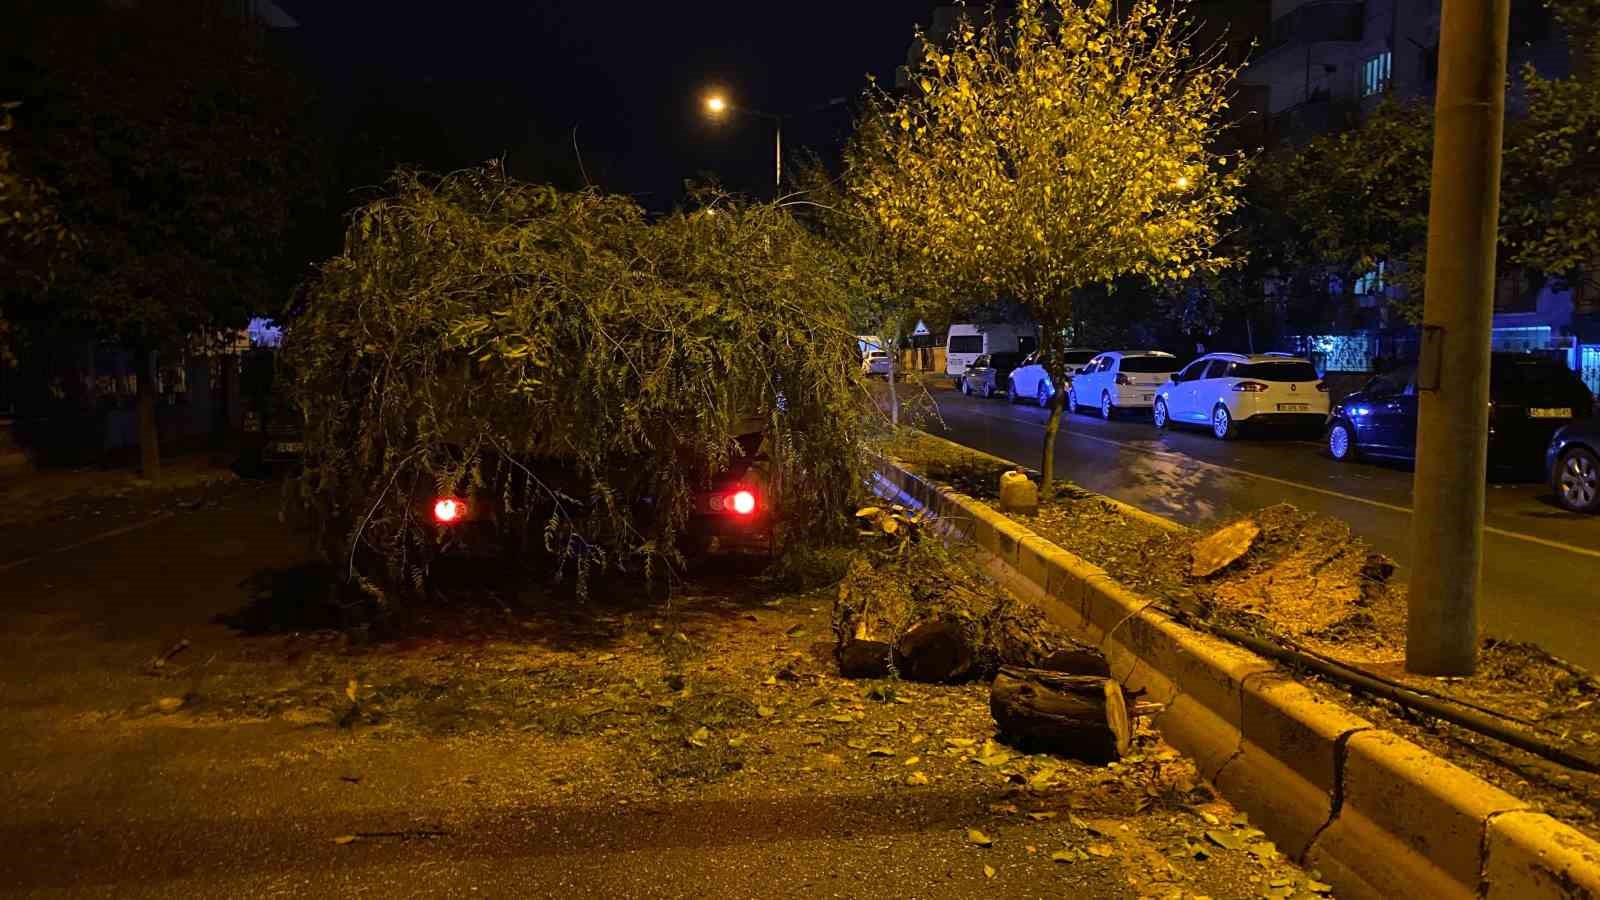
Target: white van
(965, 343)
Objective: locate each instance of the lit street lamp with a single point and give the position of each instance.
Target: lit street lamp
(717, 105)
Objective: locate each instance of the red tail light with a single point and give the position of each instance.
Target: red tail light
(448, 509)
(1250, 387)
(741, 502)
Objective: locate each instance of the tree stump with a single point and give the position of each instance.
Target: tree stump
(866, 620)
(1082, 716)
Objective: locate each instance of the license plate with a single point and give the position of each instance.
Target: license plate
(290, 447)
(1560, 412)
(1293, 407)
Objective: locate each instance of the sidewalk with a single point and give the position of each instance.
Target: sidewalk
(44, 509)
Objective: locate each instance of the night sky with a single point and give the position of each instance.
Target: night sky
(468, 81)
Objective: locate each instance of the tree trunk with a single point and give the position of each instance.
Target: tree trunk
(1083, 716)
(894, 396)
(923, 629)
(149, 436)
(1050, 354)
(1018, 635)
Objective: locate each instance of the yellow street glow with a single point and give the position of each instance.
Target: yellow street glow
(1183, 182)
(716, 104)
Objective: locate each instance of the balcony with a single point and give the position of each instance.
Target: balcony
(1317, 22)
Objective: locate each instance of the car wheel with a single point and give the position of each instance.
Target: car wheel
(1072, 400)
(1341, 441)
(966, 388)
(1159, 414)
(988, 391)
(1044, 396)
(1222, 424)
(1577, 480)
(1106, 409)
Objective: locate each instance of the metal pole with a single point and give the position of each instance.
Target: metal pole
(778, 183)
(1458, 316)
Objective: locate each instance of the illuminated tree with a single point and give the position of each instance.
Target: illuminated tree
(1063, 147)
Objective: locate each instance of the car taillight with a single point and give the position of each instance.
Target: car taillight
(1322, 387)
(448, 509)
(1123, 379)
(1250, 387)
(741, 502)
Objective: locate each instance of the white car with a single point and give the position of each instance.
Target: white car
(1030, 381)
(876, 362)
(1121, 379)
(1226, 390)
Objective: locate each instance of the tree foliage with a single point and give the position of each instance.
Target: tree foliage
(1345, 202)
(167, 137)
(1551, 186)
(477, 327)
(1062, 147)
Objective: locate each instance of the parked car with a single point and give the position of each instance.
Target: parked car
(988, 372)
(965, 342)
(876, 362)
(1530, 398)
(1121, 379)
(1572, 463)
(1029, 379)
(1227, 391)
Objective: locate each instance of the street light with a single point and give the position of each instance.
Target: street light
(716, 105)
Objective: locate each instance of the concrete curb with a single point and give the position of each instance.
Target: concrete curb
(1378, 815)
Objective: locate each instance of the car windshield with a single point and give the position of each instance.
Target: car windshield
(1530, 378)
(1005, 360)
(877, 354)
(1142, 365)
(1078, 357)
(1288, 370)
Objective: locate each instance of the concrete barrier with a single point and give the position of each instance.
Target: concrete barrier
(1377, 815)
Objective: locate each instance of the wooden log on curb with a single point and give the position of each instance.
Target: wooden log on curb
(1019, 635)
(937, 648)
(1082, 716)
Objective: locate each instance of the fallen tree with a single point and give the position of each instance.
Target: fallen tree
(921, 617)
(577, 368)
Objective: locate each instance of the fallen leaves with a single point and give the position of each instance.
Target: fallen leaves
(978, 838)
(916, 779)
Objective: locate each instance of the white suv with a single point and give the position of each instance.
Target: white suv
(1226, 390)
(1122, 379)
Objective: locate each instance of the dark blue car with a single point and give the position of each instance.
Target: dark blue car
(1530, 398)
(1573, 464)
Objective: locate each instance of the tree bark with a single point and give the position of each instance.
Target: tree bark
(1018, 635)
(149, 436)
(1050, 355)
(1083, 716)
(894, 396)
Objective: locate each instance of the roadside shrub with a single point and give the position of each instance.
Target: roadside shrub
(574, 365)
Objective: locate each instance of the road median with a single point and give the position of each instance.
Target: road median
(1378, 815)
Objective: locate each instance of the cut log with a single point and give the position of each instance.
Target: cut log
(867, 617)
(937, 648)
(1082, 716)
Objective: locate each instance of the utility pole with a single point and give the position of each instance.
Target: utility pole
(1458, 316)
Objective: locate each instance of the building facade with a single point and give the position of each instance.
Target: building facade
(1323, 64)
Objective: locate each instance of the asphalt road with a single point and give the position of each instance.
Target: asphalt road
(1541, 566)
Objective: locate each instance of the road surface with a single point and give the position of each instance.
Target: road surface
(1541, 564)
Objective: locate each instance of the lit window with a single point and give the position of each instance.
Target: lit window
(1372, 282)
(1375, 74)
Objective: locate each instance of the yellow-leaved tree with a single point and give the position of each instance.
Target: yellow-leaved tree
(1064, 146)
